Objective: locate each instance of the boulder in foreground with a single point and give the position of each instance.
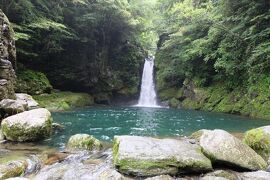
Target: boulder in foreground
(84, 142)
(146, 156)
(222, 147)
(30, 125)
(259, 140)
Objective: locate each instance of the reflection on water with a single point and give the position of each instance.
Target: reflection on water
(146, 122)
(105, 123)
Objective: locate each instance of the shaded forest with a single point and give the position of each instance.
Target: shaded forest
(210, 54)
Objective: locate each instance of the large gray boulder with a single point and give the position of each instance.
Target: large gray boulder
(28, 126)
(11, 107)
(31, 103)
(259, 140)
(146, 156)
(222, 147)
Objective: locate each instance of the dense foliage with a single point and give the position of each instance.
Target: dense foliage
(83, 45)
(214, 41)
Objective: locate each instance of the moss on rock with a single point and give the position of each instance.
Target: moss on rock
(12, 169)
(253, 102)
(259, 140)
(60, 101)
(28, 126)
(144, 156)
(83, 142)
(32, 82)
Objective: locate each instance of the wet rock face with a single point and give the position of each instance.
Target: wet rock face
(145, 156)
(7, 59)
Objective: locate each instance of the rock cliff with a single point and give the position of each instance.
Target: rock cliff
(7, 58)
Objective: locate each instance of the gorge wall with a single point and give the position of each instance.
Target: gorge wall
(7, 58)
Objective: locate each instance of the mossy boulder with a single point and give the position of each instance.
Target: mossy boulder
(145, 156)
(259, 140)
(30, 125)
(83, 142)
(222, 147)
(60, 101)
(12, 169)
(32, 82)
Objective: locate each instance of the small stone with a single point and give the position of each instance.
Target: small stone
(111, 174)
(84, 142)
(58, 127)
(12, 169)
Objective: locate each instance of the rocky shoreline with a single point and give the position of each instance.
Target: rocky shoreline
(206, 154)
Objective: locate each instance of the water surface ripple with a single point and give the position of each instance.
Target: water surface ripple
(106, 122)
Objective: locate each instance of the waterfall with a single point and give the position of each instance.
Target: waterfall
(148, 93)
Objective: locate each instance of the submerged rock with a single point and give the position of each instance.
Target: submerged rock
(28, 126)
(259, 140)
(12, 169)
(222, 147)
(84, 142)
(58, 127)
(258, 175)
(145, 156)
(31, 103)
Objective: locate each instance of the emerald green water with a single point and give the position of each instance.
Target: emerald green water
(106, 122)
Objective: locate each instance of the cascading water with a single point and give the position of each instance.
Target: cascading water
(148, 93)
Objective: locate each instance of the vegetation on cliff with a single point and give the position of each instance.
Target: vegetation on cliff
(217, 53)
(86, 45)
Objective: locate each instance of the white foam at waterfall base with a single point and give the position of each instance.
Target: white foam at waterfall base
(148, 97)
